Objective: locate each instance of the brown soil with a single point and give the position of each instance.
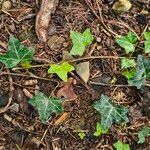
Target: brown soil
(77, 15)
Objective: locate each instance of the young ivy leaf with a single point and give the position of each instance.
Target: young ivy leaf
(121, 146)
(99, 130)
(142, 72)
(110, 114)
(82, 135)
(127, 42)
(80, 41)
(143, 134)
(130, 73)
(61, 70)
(16, 53)
(46, 106)
(147, 42)
(127, 63)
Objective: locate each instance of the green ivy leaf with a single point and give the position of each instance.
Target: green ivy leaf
(127, 42)
(99, 130)
(129, 74)
(121, 146)
(82, 135)
(147, 42)
(127, 63)
(46, 106)
(110, 114)
(26, 65)
(16, 53)
(80, 41)
(143, 134)
(61, 70)
(142, 72)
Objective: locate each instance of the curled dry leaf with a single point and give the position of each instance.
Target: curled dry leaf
(27, 93)
(43, 18)
(61, 119)
(67, 90)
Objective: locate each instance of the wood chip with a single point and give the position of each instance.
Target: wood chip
(61, 119)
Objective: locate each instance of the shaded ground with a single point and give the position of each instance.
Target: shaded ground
(76, 15)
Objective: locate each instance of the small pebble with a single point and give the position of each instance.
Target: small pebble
(98, 39)
(141, 19)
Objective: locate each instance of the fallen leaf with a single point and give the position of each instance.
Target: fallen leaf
(83, 71)
(61, 119)
(43, 18)
(122, 6)
(21, 100)
(67, 90)
(55, 42)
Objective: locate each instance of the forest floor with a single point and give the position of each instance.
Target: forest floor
(20, 126)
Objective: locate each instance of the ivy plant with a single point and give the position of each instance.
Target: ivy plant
(46, 106)
(142, 72)
(61, 70)
(147, 42)
(127, 42)
(121, 146)
(109, 113)
(80, 41)
(99, 130)
(143, 134)
(17, 53)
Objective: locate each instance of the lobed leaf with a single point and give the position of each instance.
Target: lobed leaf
(110, 114)
(121, 146)
(127, 42)
(80, 41)
(16, 53)
(143, 134)
(142, 72)
(127, 63)
(147, 42)
(46, 106)
(99, 130)
(61, 70)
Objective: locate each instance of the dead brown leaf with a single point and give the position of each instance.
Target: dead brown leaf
(83, 71)
(43, 18)
(67, 90)
(61, 119)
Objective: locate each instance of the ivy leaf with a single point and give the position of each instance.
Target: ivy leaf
(127, 63)
(99, 130)
(129, 74)
(143, 134)
(80, 41)
(121, 146)
(110, 114)
(142, 72)
(82, 135)
(46, 106)
(16, 53)
(127, 42)
(61, 70)
(26, 65)
(147, 42)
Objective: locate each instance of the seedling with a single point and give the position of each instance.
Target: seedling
(80, 41)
